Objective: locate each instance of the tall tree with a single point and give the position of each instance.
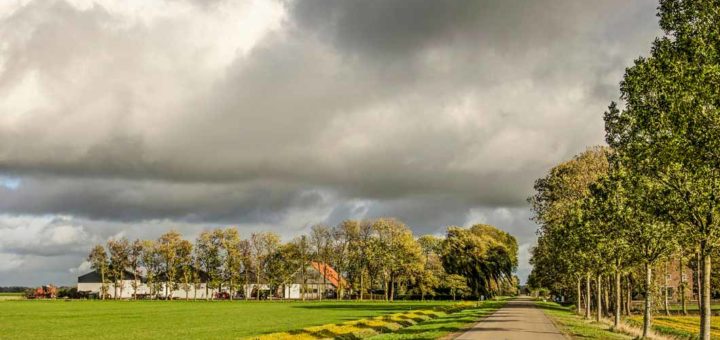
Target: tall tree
(340, 251)
(483, 254)
(119, 250)
(135, 260)
(152, 263)
(398, 255)
(321, 239)
(168, 245)
(99, 262)
(232, 264)
(207, 253)
(670, 126)
(185, 266)
(262, 245)
(566, 231)
(302, 250)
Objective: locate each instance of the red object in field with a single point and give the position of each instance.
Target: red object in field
(46, 292)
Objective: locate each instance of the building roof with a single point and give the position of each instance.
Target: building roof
(329, 273)
(94, 277)
(201, 274)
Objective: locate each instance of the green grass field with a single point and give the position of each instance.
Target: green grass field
(573, 325)
(11, 296)
(28, 319)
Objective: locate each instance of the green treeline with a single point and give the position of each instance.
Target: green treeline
(380, 257)
(613, 215)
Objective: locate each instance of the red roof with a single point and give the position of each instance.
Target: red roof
(329, 273)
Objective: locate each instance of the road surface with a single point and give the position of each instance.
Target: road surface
(518, 319)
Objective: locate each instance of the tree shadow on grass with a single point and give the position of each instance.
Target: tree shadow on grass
(552, 307)
(368, 306)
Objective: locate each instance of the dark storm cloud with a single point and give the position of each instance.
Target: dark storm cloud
(133, 201)
(285, 114)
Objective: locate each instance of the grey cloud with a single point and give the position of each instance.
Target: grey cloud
(123, 200)
(423, 110)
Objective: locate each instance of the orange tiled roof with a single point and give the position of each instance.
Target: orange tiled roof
(330, 274)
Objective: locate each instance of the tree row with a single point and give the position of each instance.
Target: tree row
(373, 257)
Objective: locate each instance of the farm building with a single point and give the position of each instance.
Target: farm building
(319, 280)
(92, 284)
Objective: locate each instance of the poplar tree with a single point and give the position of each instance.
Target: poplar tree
(99, 262)
(669, 127)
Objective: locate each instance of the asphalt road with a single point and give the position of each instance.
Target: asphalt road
(518, 319)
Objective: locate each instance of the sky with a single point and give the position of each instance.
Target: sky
(129, 118)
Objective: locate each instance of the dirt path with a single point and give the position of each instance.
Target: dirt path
(518, 319)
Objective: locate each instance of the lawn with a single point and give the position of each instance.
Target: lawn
(681, 326)
(28, 319)
(575, 326)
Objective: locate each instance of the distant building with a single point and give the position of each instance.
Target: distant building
(319, 280)
(676, 275)
(91, 283)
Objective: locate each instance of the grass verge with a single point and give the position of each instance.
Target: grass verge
(575, 326)
(685, 327)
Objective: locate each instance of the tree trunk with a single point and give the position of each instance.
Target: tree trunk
(577, 297)
(648, 300)
(683, 300)
(587, 296)
(665, 288)
(231, 288)
(257, 283)
(392, 290)
(385, 288)
(628, 307)
(618, 299)
(362, 286)
(102, 285)
(608, 287)
(705, 303)
(598, 297)
(698, 276)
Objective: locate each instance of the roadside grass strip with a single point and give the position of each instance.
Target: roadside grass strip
(575, 326)
(686, 327)
(364, 328)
